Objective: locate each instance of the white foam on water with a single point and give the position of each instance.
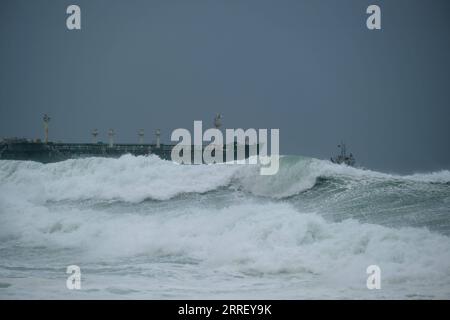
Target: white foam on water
(264, 241)
(255, 240)
(129, 178)
(134, 179)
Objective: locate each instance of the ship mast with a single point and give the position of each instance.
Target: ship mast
(94, 135)
(111, 134)
(141, 136)
(217, 121)
(46, 121)
(158, 138)
(343, 151)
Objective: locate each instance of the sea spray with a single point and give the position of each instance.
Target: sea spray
(141, 227)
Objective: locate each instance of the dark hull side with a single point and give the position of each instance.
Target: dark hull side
(54, 152)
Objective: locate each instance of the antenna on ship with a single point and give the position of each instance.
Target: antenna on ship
(217, 121)
(94, 135)
(46, 121)
(158, 138)
(111, 137)
(141, 136)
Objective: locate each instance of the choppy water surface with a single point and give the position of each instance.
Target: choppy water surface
(141, 227)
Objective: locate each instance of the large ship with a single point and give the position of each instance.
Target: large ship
(47, 151)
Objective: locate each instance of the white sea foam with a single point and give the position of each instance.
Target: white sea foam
(131, 179)
(134, 179)
(442, 176)
(256, 240)
(41, 208)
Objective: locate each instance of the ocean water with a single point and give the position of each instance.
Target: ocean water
(144, 228)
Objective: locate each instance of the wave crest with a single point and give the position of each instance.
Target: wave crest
(135, 179)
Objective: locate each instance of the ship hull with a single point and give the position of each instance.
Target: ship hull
(54, 152)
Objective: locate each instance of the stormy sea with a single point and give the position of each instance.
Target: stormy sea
(145, 228)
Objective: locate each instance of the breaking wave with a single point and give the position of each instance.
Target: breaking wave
(309, 231)
(135, 179)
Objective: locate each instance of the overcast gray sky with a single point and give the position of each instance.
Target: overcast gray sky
(310, 68)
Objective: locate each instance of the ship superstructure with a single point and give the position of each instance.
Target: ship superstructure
(48, 151)
(343, 158)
